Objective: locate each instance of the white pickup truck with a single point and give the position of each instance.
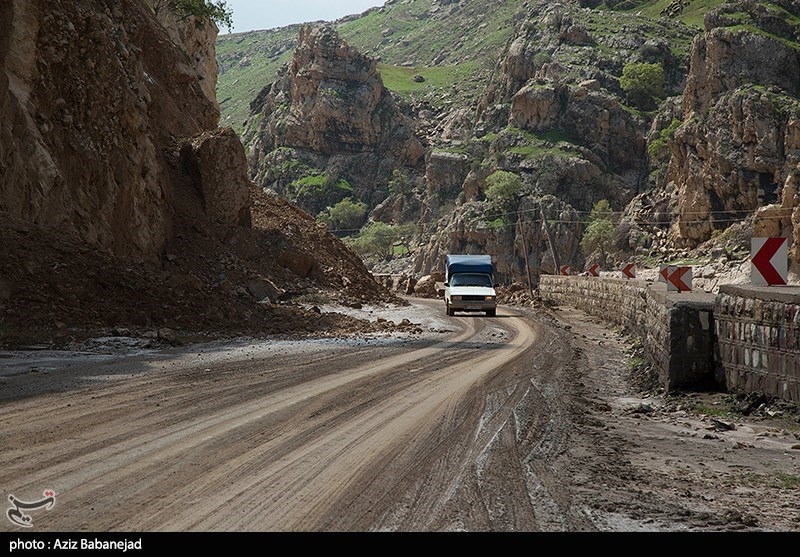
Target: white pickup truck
(469, 284)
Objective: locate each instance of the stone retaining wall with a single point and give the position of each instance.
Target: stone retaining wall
(758, 339)
(744, 339)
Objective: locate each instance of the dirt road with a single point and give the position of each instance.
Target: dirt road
(523, 422)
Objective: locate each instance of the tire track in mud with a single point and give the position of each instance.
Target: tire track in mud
(451, 483)
(546, 422)
(505, 475)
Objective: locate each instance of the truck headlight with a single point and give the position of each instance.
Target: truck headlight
(490, 298)
(455, 298)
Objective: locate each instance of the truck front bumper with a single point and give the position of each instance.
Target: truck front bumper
(472, 306)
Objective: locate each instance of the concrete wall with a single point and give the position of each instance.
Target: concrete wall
(744, 339)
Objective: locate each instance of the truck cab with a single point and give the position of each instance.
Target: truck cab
(469, 284)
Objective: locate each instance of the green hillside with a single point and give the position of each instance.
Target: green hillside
(454, 47)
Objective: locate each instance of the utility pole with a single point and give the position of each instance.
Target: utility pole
(556, 262)
(527, 265)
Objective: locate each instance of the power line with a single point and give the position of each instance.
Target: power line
(731, 219)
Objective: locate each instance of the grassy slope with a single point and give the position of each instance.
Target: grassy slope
(454, 47)
(407, 39)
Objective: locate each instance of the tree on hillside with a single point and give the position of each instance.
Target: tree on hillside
(643, 83)
(502, 190)
(405, 234)
(599, 234)
(347, 215)
(376, 239)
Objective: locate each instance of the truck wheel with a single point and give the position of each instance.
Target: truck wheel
(450, 311)
(491, 312)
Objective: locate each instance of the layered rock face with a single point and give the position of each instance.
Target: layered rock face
(338, 100)
(198, 41)
(613, 137)
(738, 147)
(329, 111)
(93, 95)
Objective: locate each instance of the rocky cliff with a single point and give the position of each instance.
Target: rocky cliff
(330, 116)
(92, 96)
(729, 118)
(703, 162)
(122, 204)
(555, 116)
(737, 149)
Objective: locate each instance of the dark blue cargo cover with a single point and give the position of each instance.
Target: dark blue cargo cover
(469, 264)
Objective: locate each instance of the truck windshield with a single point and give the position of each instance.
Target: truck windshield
(471, 279)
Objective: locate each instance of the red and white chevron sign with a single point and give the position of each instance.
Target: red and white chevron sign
(663, 272)
(565, 269)
(769, 262)
(593, 270)
(679, 278)
(629, 270)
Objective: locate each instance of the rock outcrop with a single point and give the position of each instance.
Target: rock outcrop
(329, 114)
(544, 233)
(738, 147)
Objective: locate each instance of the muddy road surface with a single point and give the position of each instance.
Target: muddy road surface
(520, 423)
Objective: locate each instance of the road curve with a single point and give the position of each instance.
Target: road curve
(261, 436)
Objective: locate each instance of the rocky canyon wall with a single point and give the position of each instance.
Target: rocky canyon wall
(94, 96)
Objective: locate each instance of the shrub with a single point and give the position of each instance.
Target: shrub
(400, 184)
(348, 214)
(643, 83)
(204, 10)
(503, 188)
(658, 148)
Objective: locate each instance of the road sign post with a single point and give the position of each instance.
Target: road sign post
(769, 262)
(679, 279)
(629, 270)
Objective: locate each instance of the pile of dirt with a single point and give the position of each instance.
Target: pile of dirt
(214, 281)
